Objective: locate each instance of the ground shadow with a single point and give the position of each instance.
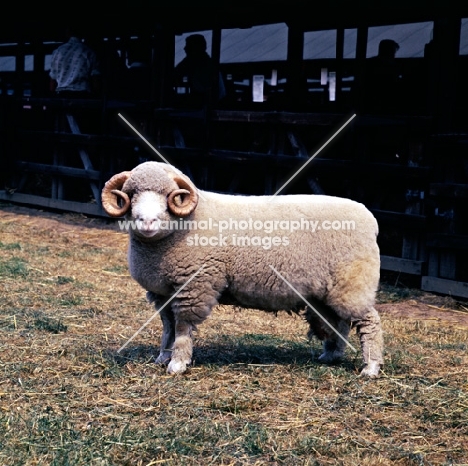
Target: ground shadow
(249, 349)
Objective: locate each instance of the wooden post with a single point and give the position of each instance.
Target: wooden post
(442, 262)
(295, 78)
(446, 49)
(19, 69)
(412, 239)
(39, 84)
(164, 61)
(339, 64)
(361, 53)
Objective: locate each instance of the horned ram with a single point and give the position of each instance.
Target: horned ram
(331, 275)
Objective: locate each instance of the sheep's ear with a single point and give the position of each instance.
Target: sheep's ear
(182, 202)
(111, 194)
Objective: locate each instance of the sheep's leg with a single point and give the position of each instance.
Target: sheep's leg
(168, 333)
(183, 347)
(191, 307)
(370, 334)
(335, 344)
(326, 325)
(167, 338)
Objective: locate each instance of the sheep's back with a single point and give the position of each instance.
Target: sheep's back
(246, 261)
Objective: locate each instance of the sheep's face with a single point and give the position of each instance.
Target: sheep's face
(153, 195)
(150, 215)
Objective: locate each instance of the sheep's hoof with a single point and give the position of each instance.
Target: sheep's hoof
(330, 357)
(176, 367)
(371, 370)
(163, 359)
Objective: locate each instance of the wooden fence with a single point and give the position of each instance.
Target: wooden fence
(410, 176)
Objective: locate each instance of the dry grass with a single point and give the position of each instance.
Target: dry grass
(255, 394)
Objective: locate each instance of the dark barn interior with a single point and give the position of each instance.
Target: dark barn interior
(404, 158)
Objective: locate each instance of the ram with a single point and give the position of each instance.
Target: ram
(310, 254)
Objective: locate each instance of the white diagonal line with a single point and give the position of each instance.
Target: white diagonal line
(311, 158)
(161, 308)
(152, 147)
(313, 308)
(143, 138)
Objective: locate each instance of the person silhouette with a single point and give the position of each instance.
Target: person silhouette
(198, 71)
(74, 68)
(383, 82)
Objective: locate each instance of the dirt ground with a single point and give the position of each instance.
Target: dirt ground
(104, 232)
(254, 393)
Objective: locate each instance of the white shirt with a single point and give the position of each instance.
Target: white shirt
(72, 65)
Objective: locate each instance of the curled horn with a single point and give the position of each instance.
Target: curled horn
(111, 193)
(189, 196)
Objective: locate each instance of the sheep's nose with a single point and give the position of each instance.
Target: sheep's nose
(147, 224)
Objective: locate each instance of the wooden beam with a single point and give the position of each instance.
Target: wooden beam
(292, 118)
(447, 287)
(318, 164)
(447, 241)
(70, 206)
(320, 119)
(407, 221)
(85, 139)
(449, 190)
(58, 170)
(397, 264)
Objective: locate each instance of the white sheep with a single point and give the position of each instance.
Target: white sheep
(270, 263)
